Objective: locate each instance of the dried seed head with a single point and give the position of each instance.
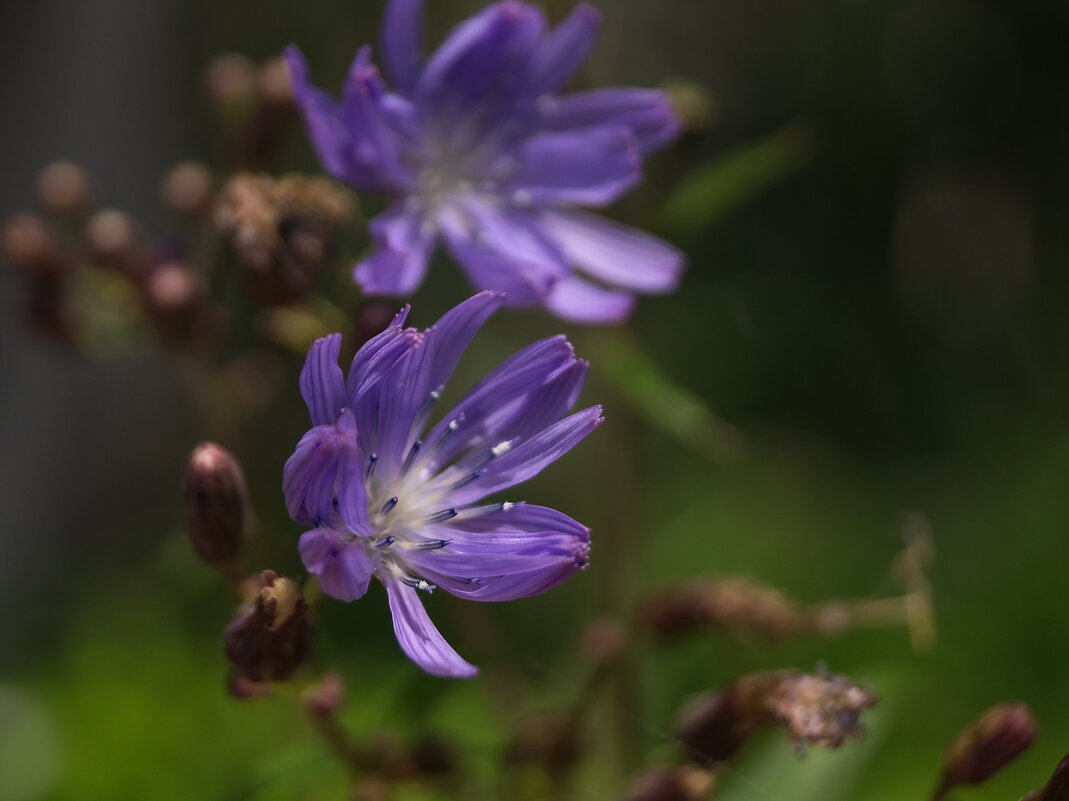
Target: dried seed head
(63, 187)
(990, 743)
(268, 637)
(822, 710)
(216, 503)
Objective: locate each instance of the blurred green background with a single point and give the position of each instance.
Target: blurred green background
(873, 322)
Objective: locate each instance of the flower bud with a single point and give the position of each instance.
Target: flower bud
(28, 243)
(216, 503)
(63, 187)
(990, 743)
(230, 80)
(268, 637)
(187, 187)
(326, 696)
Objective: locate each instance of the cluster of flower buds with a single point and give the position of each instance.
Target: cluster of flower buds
(986, 746)
(93, 277)
(281, 230)
(815, 710)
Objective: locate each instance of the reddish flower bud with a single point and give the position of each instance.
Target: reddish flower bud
(990, 743)
(216, 503)
(268, 638)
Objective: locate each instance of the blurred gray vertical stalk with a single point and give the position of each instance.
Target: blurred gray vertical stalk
(101, 84)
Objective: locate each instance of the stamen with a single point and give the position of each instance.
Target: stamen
(418, 583)
(388, 506)
(470, 477)
(372, 460)
(479, 511)
(428, 545)
(412, 454)
(447, 432)
(442, 516)
(425, 409)
(384, 542)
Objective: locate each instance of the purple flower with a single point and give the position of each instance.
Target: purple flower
(481, 154)
(384, 497)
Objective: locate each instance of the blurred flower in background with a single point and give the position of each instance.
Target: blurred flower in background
(481, 154)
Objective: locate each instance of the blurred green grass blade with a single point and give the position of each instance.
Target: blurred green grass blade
(663, 403)
(732, 179)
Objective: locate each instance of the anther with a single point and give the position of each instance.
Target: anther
(384, 542)
(470, 477)
(417, 583)
(388, 506)
(372, 460)
(429, 545)
(442, 516)
(412, 454)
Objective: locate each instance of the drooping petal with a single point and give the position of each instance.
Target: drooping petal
(516, 552)
(403, 246)
(344, 566)
(331, 139)
(401, 43)
(418, 637)
(616, 254)
(582, 302)
(320, 471)
(525, 460)
(322, 384)
(563, 50)
(646, 113)
(591, 167)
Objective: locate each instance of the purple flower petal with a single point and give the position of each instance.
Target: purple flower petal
(592, 167)
(344, 567)
(403, 247)
(480, 62)
(516, 552)
(376, 141)
(418, 637)
(492, 263)
(322, 384)
(616, 254)
(323, 464)
(563, 50)
(582, 302)
(466, 425)
(331, 139)
(452, 334)
(401, 42)
(526, 459)
(646, 113)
